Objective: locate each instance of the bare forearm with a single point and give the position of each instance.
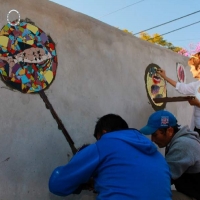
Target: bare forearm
(170, 81)
(162, 73)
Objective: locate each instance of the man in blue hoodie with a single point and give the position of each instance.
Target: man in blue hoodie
(182, 153)
(124, 165)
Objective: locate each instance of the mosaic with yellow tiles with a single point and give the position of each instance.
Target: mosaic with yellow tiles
(28, 59)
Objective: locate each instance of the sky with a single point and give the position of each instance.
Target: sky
(139, 15)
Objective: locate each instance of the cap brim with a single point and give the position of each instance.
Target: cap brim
(147, 130)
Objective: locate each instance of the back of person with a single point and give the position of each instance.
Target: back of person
(130, 167)
(122, 165)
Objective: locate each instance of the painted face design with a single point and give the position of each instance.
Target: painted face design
(28, 59)
(156, 79)
(155, 86)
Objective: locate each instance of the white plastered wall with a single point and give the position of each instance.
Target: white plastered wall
(100, 71)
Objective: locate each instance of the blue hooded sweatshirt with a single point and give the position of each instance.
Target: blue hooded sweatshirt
(125, 165)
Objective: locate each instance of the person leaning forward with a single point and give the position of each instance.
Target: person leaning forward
(123, 163)
(182, 153)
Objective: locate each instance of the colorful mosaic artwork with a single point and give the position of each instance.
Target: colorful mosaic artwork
(155, 86)
(28, 62)
(28, 59)
(181, 75)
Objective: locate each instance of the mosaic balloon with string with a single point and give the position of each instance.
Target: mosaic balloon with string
(28, 62)
(28, 59)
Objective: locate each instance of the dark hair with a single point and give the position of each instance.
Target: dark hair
(109, 123)
(176, 129)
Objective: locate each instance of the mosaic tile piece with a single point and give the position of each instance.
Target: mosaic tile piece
(28, 58)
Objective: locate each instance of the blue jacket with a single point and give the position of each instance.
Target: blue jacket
(124, 164)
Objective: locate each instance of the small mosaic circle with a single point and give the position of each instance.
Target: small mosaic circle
(17, 21)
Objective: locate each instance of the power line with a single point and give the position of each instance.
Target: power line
(175, 30)
(180, 28)
(121, 8)
(167, 22)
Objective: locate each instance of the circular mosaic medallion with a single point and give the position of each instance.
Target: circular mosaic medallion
(155, 86)
(28, 59)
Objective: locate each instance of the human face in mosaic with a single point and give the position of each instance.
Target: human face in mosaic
(28, 59)
(155, 86)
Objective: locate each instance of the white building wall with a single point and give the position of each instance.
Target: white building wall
(100, 70)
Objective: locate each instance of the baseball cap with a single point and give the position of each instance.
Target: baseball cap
(159, 119)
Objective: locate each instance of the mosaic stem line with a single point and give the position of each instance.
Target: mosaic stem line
(59, 122)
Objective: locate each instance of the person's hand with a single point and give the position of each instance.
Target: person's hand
(162, 73)
(85, 186)
(89, 185)
(194, 102)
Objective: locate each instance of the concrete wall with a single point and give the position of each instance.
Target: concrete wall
(100, 71)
